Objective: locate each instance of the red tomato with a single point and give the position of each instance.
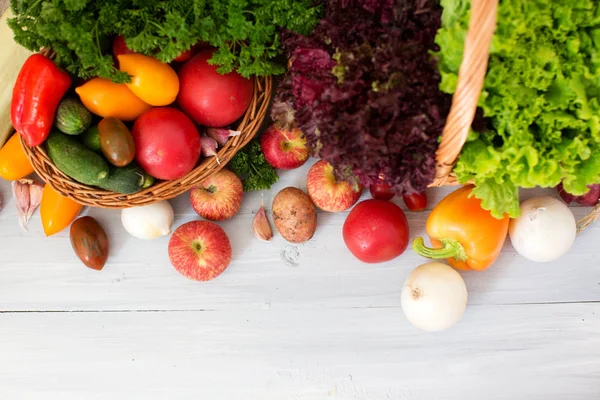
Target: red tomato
(183, 57)
(381, 191)
(209, 98)
(119, 47)
(376, 231)
(415, 201)
(90, 243)
(200, 46)
(167, 143)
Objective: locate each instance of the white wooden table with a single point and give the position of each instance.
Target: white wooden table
(285, 322)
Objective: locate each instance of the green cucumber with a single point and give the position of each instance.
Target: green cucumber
(124, 180)
(149, 181)
(75, 160)
(91, 139)
(72, 117)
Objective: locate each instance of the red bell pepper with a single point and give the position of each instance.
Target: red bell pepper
(39, 88)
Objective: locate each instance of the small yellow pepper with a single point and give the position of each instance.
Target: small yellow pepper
(14, 164)
(57, 211)
(108, 99)
(153, 81)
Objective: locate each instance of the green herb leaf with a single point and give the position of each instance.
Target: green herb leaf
(253, 169)
(244, 32)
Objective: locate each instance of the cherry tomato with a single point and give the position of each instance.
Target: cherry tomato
(183, 57)
(381, 191)
(116, 142)
(89, 242)
(376, 231)
(155, 82)
(119, 47)
(415, 201)
(201, 46)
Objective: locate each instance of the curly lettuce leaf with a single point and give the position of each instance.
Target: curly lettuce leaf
(540, 97)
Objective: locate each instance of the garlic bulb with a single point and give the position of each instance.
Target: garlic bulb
(148, 222)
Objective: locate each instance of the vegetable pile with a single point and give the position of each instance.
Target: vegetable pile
(363, 87)
(541, 99)
(364, 92)
(80, 31)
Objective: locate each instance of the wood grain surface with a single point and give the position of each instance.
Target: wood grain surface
(285, 321)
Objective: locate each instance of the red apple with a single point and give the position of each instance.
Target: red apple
(218, 197)
(200, 250)
(327, 192)
(284, 149)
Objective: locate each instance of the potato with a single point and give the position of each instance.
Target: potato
(294, 215)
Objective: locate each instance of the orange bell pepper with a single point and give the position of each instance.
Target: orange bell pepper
(463, 232)
(57, 211)
(108, 99)
(14, 164)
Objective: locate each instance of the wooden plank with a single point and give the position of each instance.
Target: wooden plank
(39, 273)
(535, 352)
(12, 57)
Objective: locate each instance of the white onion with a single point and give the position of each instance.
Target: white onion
(434, 297)
(545, 230)
(148, 222)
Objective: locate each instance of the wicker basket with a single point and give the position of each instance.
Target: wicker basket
(471, 76)
(164, 190)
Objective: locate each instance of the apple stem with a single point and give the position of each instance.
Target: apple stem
(211, 189)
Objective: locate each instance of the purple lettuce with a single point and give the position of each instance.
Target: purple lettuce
(364, 90)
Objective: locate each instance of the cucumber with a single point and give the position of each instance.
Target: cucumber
(125, 180)
(72, 117)
(149, 181)
(76, 160)
(91, 139)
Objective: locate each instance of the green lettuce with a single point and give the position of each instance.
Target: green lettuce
(541, 98)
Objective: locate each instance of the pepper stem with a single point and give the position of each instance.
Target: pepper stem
(451, 248)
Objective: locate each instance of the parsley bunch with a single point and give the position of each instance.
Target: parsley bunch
(253, 169)
(244, 32)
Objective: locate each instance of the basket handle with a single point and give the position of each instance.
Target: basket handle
(471, 76)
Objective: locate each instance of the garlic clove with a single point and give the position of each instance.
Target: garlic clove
(221, 135)
(209, 147)
(28, 195)
(261, 227)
